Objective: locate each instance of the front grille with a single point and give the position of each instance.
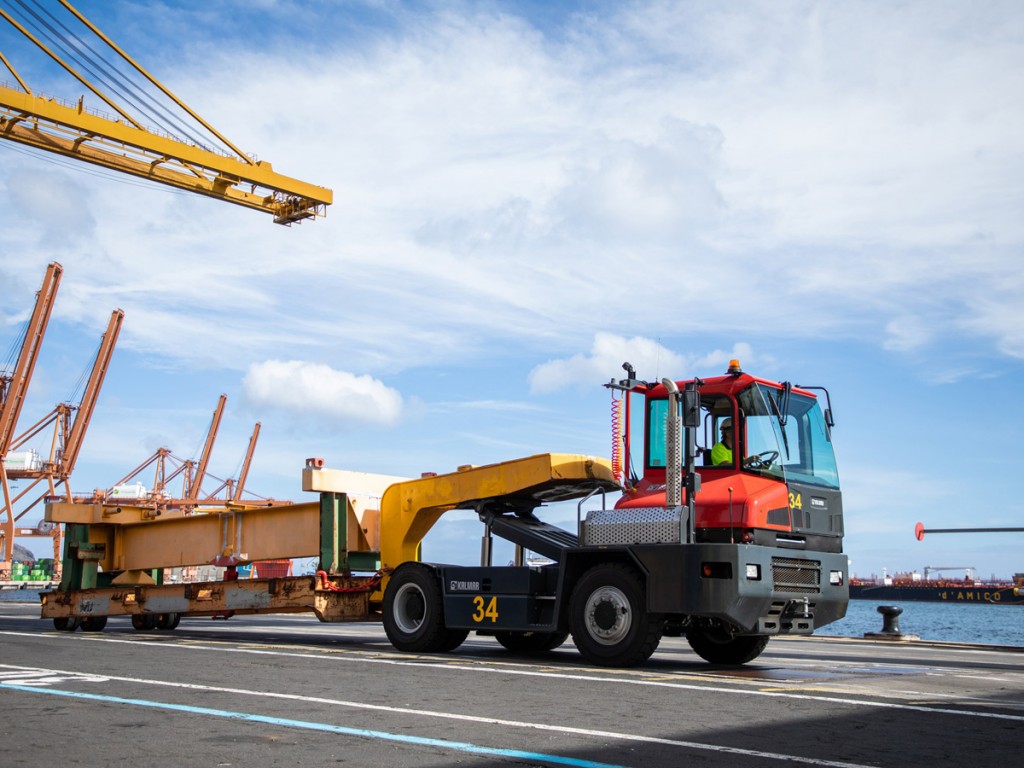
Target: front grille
(790, 574)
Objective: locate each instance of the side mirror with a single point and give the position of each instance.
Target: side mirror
(691, 408)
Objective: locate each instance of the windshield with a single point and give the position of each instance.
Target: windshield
(805, 449)
(800, 452)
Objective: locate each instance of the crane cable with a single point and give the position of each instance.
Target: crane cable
(78, 50)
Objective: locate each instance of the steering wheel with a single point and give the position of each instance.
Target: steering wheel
(760, 460)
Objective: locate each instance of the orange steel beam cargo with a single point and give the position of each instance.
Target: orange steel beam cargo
(113, 551)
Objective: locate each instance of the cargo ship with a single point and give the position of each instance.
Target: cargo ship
(911, 587)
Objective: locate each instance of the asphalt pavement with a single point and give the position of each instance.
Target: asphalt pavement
(286, 690)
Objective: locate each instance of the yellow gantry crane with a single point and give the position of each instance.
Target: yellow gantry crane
(124, 143)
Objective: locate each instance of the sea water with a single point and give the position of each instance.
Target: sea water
(948, 622)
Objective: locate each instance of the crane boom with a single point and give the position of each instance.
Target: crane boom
(73, 132)
(244, 474)
(204, 460)
(22, 374)
(73, 443)
(124, 145)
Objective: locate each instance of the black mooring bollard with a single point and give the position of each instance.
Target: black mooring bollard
(890, 619)
(890, 625)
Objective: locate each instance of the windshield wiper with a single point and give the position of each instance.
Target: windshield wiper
(780, 418)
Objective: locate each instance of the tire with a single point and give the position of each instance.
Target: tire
(93, 623)
(144, 621)
(413, 612)
(66, 623)
(609, 620)
(719, 647)
(168, 621)
(531, 642)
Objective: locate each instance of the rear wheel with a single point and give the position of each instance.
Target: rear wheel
(93, 623)
(66, 623)
(531, 642)
(144, 621)
(718, 646)
(609, 619)
(168, 621)
(413, 612)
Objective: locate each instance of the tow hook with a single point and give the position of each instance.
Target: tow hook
(798, 609)
(797, 618)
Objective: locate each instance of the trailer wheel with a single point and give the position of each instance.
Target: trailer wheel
(144, 621)
(414, 612)
(93, 623)
(718, 646)
(168, 621)
(531, 642)
(609, 620)
(66, 623)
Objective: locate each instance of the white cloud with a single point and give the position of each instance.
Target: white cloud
(50, 199)
(906, 333)
(604, 362)
(650, 360)
(852, 165)
(315, 390)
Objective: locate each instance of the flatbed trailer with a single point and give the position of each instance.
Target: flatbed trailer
(161, 606)
(113, 551)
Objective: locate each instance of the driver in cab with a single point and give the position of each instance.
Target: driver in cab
(721, 452)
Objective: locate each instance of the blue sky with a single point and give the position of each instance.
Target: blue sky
(526, 195)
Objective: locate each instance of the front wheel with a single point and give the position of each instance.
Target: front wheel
(609, 620)
(718, 646)
(413, 612)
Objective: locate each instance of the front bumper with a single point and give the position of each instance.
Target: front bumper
(755, 589)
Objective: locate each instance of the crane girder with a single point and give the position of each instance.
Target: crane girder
(78, 133)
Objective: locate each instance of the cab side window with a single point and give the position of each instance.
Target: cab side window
(720, 433)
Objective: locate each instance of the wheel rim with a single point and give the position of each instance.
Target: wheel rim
(410, 608)
(608, 616)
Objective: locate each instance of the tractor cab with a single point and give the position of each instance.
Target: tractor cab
(763, 453)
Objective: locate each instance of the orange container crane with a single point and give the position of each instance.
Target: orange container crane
(204, 461)
(167, 467)
(14, 389)
(73, 443)
(69, 424)
(235, 488)
(244, 474)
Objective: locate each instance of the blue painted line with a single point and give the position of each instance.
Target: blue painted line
(458, 746)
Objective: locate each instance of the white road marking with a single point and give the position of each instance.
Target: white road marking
(568, 730)
(462, 665)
